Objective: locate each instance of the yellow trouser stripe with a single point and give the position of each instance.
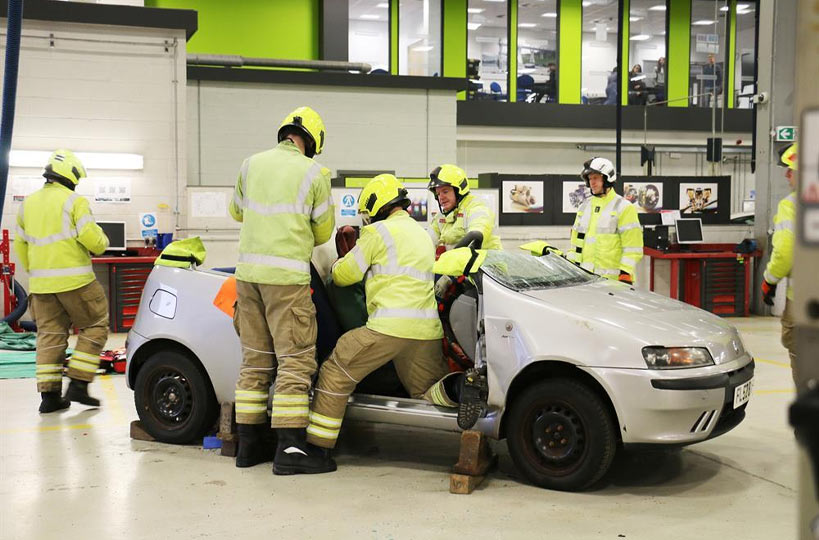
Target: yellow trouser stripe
(242, 408)
(49, 368)
(85, 356)
(330, 434)
(49, 378)
(81, 365)
(291, 411)
(325, 421)
(250, 394)
(290, 398)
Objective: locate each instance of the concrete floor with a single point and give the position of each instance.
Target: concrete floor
(77, 474)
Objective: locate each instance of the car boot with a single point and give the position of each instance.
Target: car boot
(473, 394)
(254, 445)
(53, 401)
(78, 391)
(295, 456)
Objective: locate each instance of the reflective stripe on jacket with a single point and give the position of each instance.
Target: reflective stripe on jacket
(283, 200)
(783, 237)
(55, 233)
(606, 236)
(471, 214)
(396, 256)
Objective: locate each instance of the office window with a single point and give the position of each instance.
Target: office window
(369, 33)
(598, 78)
(419, 37)
(707, 67)
(537, 51)
(745, 55)
(487, 49)
(646, 52)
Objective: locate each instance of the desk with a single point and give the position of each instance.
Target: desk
(695, 262)
(126, 279)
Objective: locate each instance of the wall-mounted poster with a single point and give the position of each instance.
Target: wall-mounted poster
(522, 197)
(646, 196)
(346, 201)
(574, 193)
(698, 198)
(419, 203)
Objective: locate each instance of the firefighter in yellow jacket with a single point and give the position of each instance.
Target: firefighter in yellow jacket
(282, 198)
(55, 234)
(606, 236)
(396, 255)
(781, 261)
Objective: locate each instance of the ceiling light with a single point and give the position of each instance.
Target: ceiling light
(383, 5)
(724, 8)
(550, 15)
(659, 7)
(703, 22)
(473, 26)
(91, 160)
(640, 37)
(527, 25)
(743, 6)
(586, 3)
(474, 10)
(422, 48)
(369, 17)
(635, 19)
(494, 0)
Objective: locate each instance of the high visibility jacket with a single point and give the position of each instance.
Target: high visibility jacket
(396, 256)
(471, 214)
(55, 233)
(606, 236)
(460, 261)
(782, 256)
(182, 253)
(283, 200)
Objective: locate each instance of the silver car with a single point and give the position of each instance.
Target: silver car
(576, 365)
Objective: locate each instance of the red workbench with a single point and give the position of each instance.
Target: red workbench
(126, 279)
(693, 258)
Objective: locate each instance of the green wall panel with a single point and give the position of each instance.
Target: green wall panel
(394, 37)
(570, 50)
(512, 50)
(679, 51)
(625, 69)
(732, 53)
(454, 40)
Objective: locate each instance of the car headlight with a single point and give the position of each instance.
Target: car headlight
(676, 357)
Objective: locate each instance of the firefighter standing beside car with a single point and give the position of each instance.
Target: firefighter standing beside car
(781, 262)
(606, 236)
(56, 233)
(396, 255)
(282, 198)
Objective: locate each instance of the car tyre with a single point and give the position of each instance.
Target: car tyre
(174, 399)
(560, 435)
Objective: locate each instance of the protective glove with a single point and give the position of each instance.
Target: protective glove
(442, 285)
(625, 277)
(768, 292)
(346, 238)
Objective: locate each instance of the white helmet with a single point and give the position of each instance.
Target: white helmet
(602, 166)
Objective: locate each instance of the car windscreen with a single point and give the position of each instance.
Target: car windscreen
(522, 272)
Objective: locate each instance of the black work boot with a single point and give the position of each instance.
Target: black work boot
(255, 445)
(473, 394)
(78, 391)
(53, 401)
(295, 456)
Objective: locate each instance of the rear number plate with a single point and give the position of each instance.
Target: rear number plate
(742, 393)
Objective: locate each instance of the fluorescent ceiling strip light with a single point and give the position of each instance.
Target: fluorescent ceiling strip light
(90, 160)
(550, 15)
(383, 5)
(473, 26)
(422, 48)
(369, 17)
(635, 19)
(703, 23)
(659, 7)
(474, 10)
(640, 37)
(527, 25)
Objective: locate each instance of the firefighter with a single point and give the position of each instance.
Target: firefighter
(464, 219)
(282, 198)
(56, 233)
(606, 236)
(396, 254)
(781, 262)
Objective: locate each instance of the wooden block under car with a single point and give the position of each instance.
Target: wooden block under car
(138, 432)
(227, 430)
(464, 484)
(474, 460)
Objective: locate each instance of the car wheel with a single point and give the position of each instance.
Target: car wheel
(174, 399)
(560, 435)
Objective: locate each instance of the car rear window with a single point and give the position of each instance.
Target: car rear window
(521, 272)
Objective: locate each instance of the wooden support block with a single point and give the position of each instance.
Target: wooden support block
(229, 447)
(475, 457)
(463, 484)
(138, 432)
(227, 430)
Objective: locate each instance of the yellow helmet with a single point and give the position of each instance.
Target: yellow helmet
(449, 175)
(63, 164)
(787, 157)
(307, 122)
(381, 193)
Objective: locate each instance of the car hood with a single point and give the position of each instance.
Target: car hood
(646, 317)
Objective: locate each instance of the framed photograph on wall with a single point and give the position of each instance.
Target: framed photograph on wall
(522, 197)
(646, 196)
(573, 193)
(698, 198)
(419, 203)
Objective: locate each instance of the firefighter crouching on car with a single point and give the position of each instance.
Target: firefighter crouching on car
(781, 261)
(396, 255)
(464, 219)
(55, 233)
(282, 198)
(606, 236)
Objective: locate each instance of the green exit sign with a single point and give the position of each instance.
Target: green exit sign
(785, 133)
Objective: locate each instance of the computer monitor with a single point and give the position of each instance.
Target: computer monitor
(115, 231)
(648, 219)
(689, 231)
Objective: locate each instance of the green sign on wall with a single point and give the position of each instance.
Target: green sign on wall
(785, 133)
